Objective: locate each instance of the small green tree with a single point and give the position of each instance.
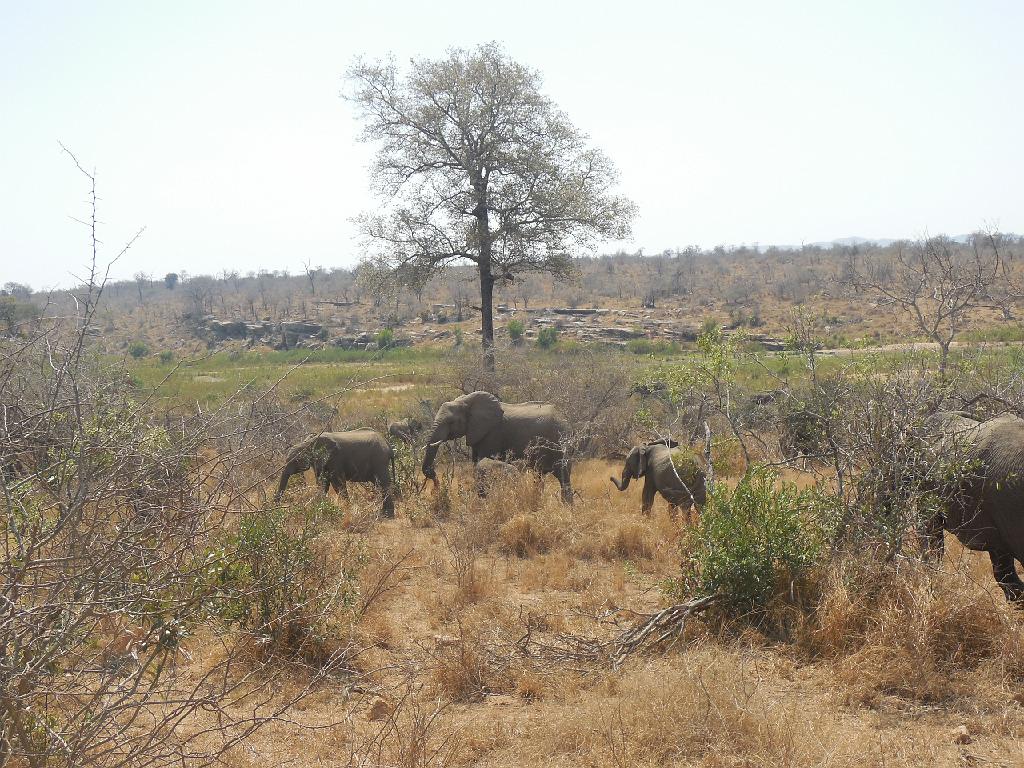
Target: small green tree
(385, 338)
(515, 331)
(547, 338)
(138, 349)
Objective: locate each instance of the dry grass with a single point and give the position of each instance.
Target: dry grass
(463, 660)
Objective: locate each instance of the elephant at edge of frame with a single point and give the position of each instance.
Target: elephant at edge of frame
(986, 511)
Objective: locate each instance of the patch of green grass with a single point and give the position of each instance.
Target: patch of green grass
(999, 333)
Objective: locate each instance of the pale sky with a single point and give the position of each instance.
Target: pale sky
(218, 125)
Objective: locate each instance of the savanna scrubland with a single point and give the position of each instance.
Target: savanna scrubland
(161, 607)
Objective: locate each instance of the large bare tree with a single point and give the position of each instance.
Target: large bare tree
(475, 163)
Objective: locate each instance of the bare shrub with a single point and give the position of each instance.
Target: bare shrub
(110, 564)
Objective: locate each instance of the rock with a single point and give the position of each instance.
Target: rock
(380, 710)
(619, 332)
(301, 327)
(226, 329)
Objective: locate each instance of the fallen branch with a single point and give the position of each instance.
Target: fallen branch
(658, 627)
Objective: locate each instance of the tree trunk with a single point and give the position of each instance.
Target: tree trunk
(483, 231)
(487, 315)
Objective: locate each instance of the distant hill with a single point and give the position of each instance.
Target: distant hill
(881, 242)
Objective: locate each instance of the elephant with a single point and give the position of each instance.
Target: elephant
(534, 433)
(359, 455)
(405, 430)
(490, 471)
(986, 513)
(680, 487)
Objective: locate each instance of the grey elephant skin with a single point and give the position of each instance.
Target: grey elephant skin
(534, 433)
(405, 430)
(987, 512)
(359, 456)
(653, 462)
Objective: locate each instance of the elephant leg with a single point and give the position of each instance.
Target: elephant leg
(384, 483)
(1005, 571)
(647, 499)
(340, 487)
(563, 473)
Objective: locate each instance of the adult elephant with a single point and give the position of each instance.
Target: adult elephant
(986, 511)
(534, 433)
(680, 486)
(359, 455)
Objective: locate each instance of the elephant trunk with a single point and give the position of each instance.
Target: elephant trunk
(285, 476)
(624, 483)
(438, 435)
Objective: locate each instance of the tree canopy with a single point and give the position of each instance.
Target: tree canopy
(475, 163)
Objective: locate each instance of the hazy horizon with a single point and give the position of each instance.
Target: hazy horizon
(220, 129)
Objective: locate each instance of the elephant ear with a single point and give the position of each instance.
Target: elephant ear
(485, 414)
(641, 467)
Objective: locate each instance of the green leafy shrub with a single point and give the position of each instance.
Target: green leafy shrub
(547, 338)
(756, 541)
(279, 584)
(167, 357)
(138, 349)
(385, 338)
(458, 337)
(515, 331)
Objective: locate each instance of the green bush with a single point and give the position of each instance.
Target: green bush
(547, 338)
(279, 584)
(167, 357)
(753, 543)
(515, 331)
(458, 337)
(385, 338)
(138, 349)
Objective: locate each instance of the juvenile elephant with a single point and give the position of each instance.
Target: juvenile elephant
(405, 429)
(490, 471)
(360, 455)
(987, 512)
(534, 433)
(679, 486)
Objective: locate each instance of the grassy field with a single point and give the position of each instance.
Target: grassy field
(462, 660)
(465, 657)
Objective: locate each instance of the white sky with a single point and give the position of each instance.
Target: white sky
(218, 126)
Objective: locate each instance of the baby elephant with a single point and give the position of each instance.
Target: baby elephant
(680, 484)
(405, 429)
(360, 455)
(487, 472)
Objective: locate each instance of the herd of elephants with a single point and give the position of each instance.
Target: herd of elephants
(985, 514)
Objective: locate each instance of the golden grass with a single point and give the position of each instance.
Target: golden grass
(458, 664)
